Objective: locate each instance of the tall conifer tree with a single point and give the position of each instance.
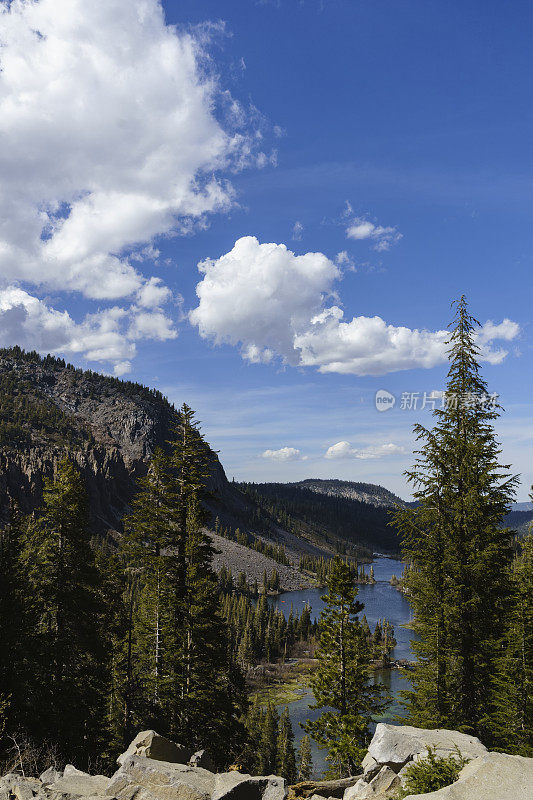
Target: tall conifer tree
(14, 700)
(512, 718)
(286, 757)
(305, 759)
(192, 689)
(67, 655)
(341, 680)
(459, 554)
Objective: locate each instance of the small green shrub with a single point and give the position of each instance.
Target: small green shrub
(432, 773)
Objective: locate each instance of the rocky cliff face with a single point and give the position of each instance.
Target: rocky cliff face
(109, 427)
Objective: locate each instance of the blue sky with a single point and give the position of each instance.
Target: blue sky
(391, 141)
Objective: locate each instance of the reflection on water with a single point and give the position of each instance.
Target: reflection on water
(381, 600)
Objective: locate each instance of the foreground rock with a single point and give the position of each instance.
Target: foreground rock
(153, 745)
(152, 768)
(487, 776)
(142, 778)
(395, 745)
(493, 776)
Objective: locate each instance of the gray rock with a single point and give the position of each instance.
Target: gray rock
(370, 767)
(382, 786)
(162, 779)
(156, 747)
(79, 784)
(320, 797)
(236, 786)
(202, 759)
(395, 745)
(50, 776)
(70, 771)
(492, 776)
(23, 791)
(20, 787)
(368, 762)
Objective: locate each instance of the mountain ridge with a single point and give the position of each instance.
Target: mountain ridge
(372, 493)
(111, 427)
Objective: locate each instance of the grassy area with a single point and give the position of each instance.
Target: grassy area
(281, 693)
(287, 688)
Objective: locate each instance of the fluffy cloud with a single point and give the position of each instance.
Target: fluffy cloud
(383, 238)
(259, 296)
(366, 345)
(345, 450)
(506, 330)
(273, 303)
(101, 337)
(283, 454)
(109, 138)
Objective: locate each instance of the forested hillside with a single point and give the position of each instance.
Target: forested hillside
(339, 520)
(111, 428)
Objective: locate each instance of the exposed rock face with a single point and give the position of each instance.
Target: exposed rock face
(493, 776)
(395, 745)
(382, 785)
(140, 777)
(109, 427)
(487, 776)
(151, 745)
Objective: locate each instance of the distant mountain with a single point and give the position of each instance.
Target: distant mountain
(338, 513)
(365, 492)
(522, 507)
(519, 521)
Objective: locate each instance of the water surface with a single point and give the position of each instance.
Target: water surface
(381, 601)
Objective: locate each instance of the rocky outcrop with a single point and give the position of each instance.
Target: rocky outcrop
(493, 776)
(486, 776)
(109, 427)
(395, 745)
(144, 775)
(156, 747)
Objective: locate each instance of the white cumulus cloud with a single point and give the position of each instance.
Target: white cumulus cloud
(109, 138)
(383, 237)
(104, 336)
(345, 450)
(283, 454)
(259, 296)
(273, 303)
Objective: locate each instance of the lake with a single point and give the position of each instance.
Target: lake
(381, 600)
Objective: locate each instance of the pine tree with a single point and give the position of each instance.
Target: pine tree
(512, 720)
(192, 690)
(249, 757)
(340, 681)
(459, 555)
(14, 706)
(268, 744)
(286, 757)
(305, 759)
(148, 534)
(67, 654)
